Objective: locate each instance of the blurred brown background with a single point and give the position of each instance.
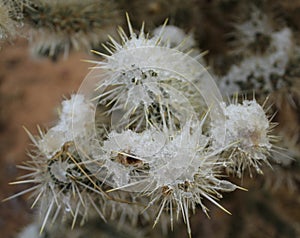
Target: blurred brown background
(32, 89)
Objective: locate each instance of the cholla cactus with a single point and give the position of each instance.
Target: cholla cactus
(260, 73)
(7, 24)
(61, 26)
(146, 133)
(269, 55)
(261, 70)
(251, 144)
(254, 35)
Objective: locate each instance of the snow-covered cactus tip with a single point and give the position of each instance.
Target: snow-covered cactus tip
(143, 80)
(73, 124)
(247, 135)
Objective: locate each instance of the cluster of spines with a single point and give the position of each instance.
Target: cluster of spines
(78, 180)
(268, 55)
(56, 27)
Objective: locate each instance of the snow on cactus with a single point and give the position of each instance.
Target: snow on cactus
(265, 53)
(174, 171)
(139, 78)
(146, 136)
(247, 133)
(73, 123)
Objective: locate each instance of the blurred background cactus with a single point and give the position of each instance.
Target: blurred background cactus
(252, 49)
